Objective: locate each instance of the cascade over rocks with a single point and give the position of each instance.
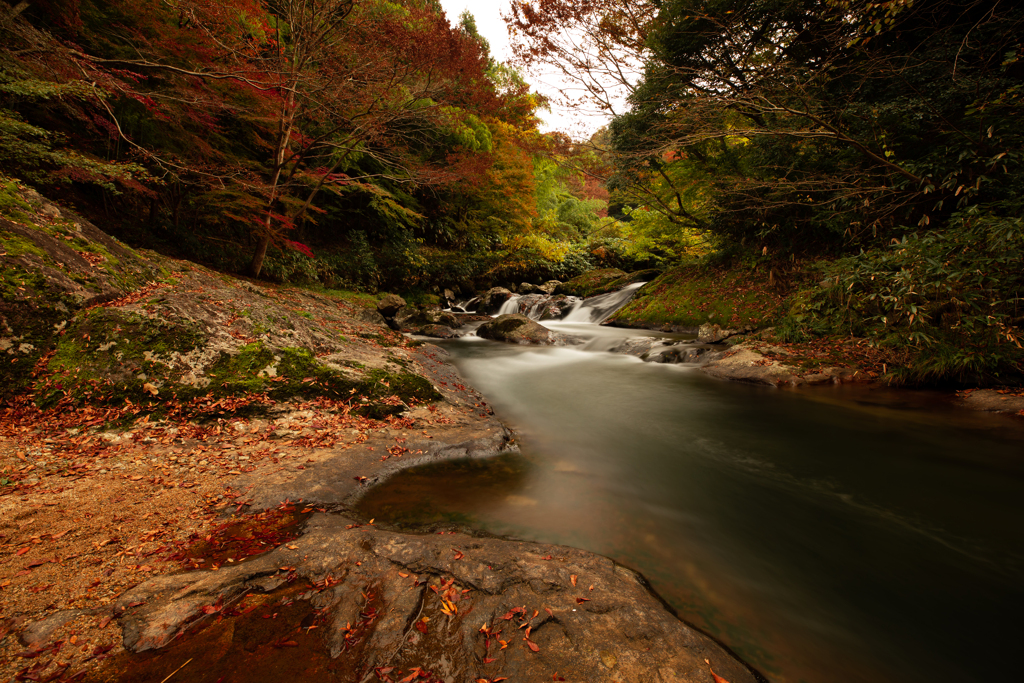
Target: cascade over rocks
(540, 306)
(492, 300)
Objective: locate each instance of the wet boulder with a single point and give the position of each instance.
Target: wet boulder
(438, 332)
(557, 307)
(515, 328)
(492, 300)
(529, 288)
(413, 319)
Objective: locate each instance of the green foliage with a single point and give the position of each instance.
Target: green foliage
(953, 296)
(40, 156)
(854, 119)
(652, 236)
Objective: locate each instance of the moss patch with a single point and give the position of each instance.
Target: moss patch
(108, 356)
(11, 203)
(95, 363)
(14, 245)
(588, 283)
(31, 312)
(690, 296)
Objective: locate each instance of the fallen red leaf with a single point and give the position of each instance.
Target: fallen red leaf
(532, 645)
(718, 679)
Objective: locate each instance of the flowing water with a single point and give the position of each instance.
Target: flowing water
(828, 534)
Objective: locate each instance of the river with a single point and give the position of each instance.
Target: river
(832, 534)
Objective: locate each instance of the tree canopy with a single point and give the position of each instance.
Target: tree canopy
(330, 140)
(883, 134)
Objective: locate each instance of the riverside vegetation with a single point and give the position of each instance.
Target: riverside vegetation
(235, 134)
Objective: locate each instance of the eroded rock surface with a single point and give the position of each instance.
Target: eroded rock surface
(993, 400)
(445, 603)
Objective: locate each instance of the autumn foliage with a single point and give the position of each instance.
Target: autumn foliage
(316, 140)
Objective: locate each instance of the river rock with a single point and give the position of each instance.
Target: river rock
(515, 328)
(654, 350)
(550, 286)
(712, 333)
(492, 299)
(746, 365)
(390, 305)
(438, 332)
(588, 283)
(676, 353)
(413, 319)
(442, 603)
(993, 400)
(557, 306)
(529, 288)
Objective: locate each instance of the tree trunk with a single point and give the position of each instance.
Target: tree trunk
(262, 244)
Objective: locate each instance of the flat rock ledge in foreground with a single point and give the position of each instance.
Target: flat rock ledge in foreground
(444, 603)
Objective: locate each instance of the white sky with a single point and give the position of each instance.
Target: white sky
(491, 26)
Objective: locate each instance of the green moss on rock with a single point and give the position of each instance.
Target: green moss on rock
(687, 297)
(588, 283)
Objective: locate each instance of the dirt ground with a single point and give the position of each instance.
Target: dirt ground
(87, 514)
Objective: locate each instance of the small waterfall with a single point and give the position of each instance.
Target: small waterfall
(510, 306)
(537, 310)
(599, 308)
(464, 306)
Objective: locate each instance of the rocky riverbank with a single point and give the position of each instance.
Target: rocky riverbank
(179, 456)
(729, 321)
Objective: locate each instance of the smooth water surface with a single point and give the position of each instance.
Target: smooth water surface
(828, 535)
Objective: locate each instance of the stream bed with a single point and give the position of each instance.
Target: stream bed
(833, 534)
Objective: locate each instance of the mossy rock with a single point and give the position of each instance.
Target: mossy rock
(52, 264)
(687, 297)
(625, 281)
(87, 369)
(590, 282)
(515, 328)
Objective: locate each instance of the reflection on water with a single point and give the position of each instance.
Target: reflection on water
(828, 535)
